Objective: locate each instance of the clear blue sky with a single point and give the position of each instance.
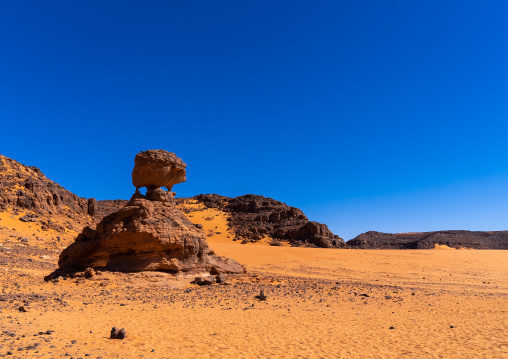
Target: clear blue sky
(368, 115)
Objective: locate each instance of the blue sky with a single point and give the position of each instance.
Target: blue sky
(388, 116)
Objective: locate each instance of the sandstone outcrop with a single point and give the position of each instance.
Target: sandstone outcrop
(253, 216)
(428, 240)
(26, 189)
(149, 233)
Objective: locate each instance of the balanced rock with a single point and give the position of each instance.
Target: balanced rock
(149, 233)
(157, 168)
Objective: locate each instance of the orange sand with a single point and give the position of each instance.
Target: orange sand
(214, 222)
(322, 303)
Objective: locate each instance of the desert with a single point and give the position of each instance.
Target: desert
(253, 179)
(292, 301)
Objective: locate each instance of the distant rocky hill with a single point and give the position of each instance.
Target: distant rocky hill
(252, 217)
(428, 240)
(26, 188)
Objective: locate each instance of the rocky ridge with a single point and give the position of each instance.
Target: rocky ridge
(26, 189)
(429, 240)
(253, 217)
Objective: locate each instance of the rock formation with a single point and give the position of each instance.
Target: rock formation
(155, 169)
(253, 216)
(428, 240)
(26, 189)
(149, 233)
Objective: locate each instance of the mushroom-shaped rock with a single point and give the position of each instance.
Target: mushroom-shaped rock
(157, 168)
(149, 233)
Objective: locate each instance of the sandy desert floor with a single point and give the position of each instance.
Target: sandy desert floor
(321, 303)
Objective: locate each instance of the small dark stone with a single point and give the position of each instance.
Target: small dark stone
(452, 326)
(392, 327)
(117, 333)
(89, 273)
(220, 278)
(261, 295)
(28, 218)
(203, 281)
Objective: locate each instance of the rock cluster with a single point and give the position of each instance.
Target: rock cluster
(253, 217)
(428, 240)
(149, 233)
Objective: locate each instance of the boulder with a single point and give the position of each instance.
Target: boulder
(117, 333)
(157, 168)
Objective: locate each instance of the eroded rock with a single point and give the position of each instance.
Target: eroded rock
(157, 168)
(254, 216)
(149, 233)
